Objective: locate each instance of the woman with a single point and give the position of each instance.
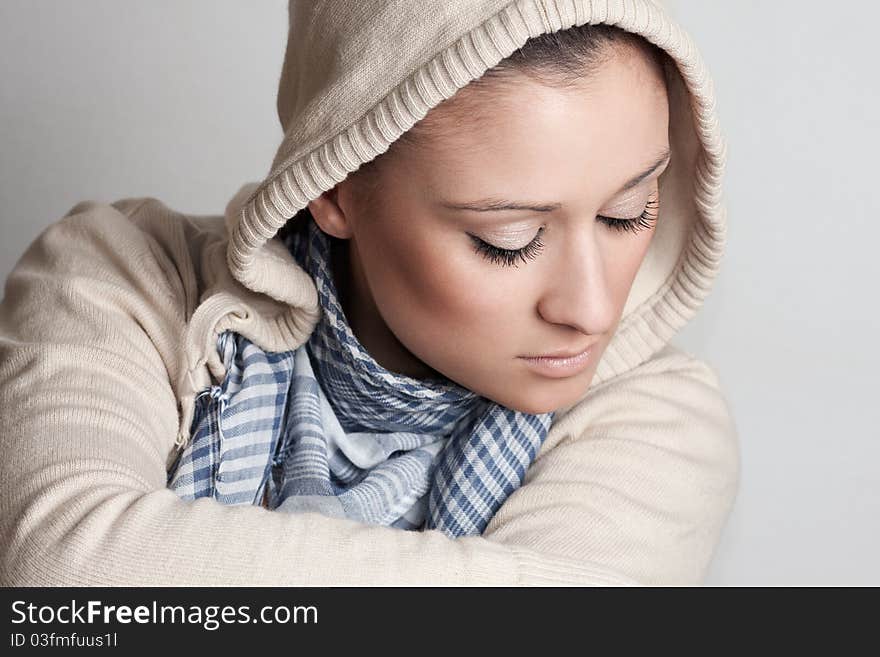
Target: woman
(446, 309)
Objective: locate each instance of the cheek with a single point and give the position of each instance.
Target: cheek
(431, 291)
(625, 255)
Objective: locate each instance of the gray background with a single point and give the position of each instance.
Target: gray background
(106, 99)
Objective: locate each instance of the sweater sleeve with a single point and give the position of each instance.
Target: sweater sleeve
(642, 479)
(90, 325)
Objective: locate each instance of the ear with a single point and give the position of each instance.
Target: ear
(329, 215)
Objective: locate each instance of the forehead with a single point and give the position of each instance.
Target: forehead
(520, 129)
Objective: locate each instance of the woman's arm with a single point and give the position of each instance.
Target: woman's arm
(90, 325)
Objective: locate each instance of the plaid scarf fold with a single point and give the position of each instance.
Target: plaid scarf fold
(325, 428)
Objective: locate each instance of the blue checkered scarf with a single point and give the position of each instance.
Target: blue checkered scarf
(325, 428)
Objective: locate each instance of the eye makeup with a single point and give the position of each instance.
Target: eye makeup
(509, 257)
(643, 221)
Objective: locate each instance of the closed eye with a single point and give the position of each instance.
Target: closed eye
(643, 221)
(510, 257)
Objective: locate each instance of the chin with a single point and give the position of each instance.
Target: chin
(536, 404)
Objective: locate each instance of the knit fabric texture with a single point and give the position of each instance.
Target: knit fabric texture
(110, 322)
(325, 428)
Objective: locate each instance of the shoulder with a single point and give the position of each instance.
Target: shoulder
(105, 269)
(638, 477)
(667, 419)
(673, 400)
(139, 242)
(671, 377)
(671, 360)
(655, 454)
(144, 223)
(132, 225)
(108, 283)
(139, 218)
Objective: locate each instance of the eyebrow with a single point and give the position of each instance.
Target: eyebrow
(494, 204)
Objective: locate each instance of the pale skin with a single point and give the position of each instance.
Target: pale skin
(420, 297)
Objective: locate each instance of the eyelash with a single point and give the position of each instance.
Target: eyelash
(508, 257)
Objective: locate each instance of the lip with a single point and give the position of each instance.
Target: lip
(560, 365)
(562, 353)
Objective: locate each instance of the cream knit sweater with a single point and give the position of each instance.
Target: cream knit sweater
(109, 319)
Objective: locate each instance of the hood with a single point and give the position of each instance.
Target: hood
(357, 75)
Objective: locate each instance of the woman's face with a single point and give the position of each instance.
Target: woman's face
(420, 293)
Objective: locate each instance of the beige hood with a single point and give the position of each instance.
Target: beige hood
(357, 75)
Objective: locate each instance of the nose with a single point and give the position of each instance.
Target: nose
(579, 291)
